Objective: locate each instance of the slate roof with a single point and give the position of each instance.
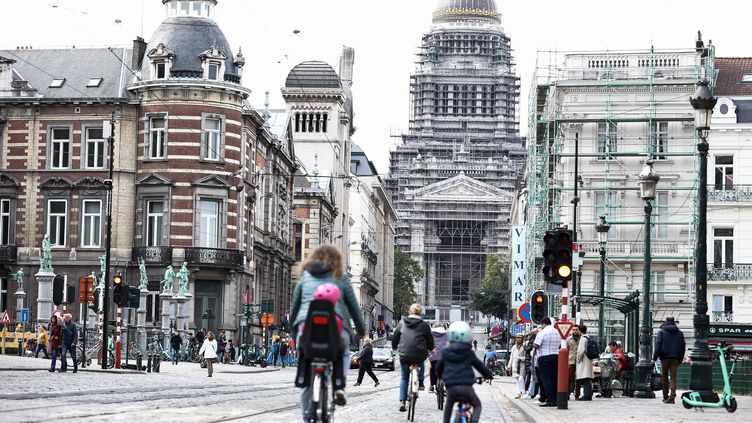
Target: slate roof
(359, 163)
(730, 72)
(76, 66)
(313, 74)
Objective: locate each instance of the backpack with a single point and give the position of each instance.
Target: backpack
(591, 352)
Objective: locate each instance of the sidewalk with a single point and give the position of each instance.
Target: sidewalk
(623, 409)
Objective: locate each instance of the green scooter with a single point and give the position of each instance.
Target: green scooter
(726, 400)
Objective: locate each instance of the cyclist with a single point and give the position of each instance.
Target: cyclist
(456, 370)
(326, 265)
(489, 357)
(412, 337)
(439, 342)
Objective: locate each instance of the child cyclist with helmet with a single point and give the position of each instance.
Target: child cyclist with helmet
(456, 370)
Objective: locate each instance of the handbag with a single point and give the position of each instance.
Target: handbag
(654, 380)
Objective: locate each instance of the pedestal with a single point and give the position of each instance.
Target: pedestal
(141, 320)
(44, 296)
(166, 307)
(181, 315)
(20, 299)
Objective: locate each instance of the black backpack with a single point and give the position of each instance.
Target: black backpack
(591, 351)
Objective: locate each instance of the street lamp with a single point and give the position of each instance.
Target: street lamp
(700, 375)
(648, 180)
(602, 228)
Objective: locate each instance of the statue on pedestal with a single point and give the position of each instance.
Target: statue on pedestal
(19, 277)
(45, 260)
(183, 289)
(142, 273)
(169, 280)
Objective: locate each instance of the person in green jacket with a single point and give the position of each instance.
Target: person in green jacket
(326, 265)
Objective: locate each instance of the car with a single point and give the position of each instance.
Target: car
(502, 359)
(383, 358)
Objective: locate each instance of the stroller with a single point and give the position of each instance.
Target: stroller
(608, 382)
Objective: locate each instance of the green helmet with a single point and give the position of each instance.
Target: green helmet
(459, 332)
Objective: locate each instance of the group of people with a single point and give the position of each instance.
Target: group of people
(58, 340)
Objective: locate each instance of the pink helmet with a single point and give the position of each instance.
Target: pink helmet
(328, 292)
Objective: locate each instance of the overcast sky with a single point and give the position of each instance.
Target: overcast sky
(385, 34)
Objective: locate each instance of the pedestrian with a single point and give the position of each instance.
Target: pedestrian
(175, 343)
(69, 339)
(231, 350)
(572, 345)
(209, 351)
(412, 337)
(221, 342)
(275, 351)
(41, 343)
(475, 344)
(55, 337)
(517, 365)
(366, 363)
(619, 356)
(439, 342)
(283, 348)
(670, 348)
(200, 337)
(584, 371)
(547, 344)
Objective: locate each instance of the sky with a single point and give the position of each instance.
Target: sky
(385, 35)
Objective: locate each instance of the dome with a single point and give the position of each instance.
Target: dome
(188, 37)
(313, 75)
(454, 10)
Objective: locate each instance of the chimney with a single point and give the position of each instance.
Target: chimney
(139, 50)
(346, 63)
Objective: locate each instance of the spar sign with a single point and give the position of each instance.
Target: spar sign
(518, 266)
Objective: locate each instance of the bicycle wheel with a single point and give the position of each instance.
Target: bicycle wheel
(411, 409)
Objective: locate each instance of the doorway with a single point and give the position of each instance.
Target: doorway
(207, 310)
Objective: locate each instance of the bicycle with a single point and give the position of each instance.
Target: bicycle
(412, 392)
(464, 411)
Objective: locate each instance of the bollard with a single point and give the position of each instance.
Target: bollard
(139, 361)
(157, 361)
(148, 364)
(562, 394)
(20, 347)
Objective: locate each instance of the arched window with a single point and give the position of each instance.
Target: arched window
(318, 122)
(323, 123)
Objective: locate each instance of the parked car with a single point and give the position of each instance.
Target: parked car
(502, 360)
(383, 358)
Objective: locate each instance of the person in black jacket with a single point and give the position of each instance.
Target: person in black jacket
(366, 363)
(670, 348)
(456, 370)
(175, 343)
(412, 337)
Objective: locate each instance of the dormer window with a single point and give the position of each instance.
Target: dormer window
(160, 70)
(213, 60)
(161, 61)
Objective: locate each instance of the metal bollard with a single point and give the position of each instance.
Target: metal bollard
(148, 364)
(157, 361)
(139, 360)
(20, 347)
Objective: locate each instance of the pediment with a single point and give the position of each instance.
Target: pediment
(461, 187)
(160, 52)
(91, 183)
(57, 183)
(212, 181)
(213, 53)
(154, 179)
(8, 181)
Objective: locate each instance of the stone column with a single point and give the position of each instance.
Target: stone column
(20, 297)
(166, 303)
(44, 296)
(141, 320)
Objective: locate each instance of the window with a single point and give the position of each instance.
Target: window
(297, 235)
(661, 221)
(94, 82)
(606, 138)
(60, 142)
(160, 70)
(659, 286)
(723, 248)
(212, 138)
(57, 83)
(659, 138)
(610, 276)
(5, 222)
(57, 225)
(92, 223)
(208, 236)
(184, 7)
(723, 308)
(154, 223)
(157, 126)
(311, 122)
(94, 148)
(724, 172)
(213, 71)
(153, 303)
(4, 293)
(747, 77)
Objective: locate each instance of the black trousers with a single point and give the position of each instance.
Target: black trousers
(366, 368)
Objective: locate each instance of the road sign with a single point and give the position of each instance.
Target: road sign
(6, 319)
(564, 328)
(515, 329)
(24, 315)
(524, 312)
(267, 319)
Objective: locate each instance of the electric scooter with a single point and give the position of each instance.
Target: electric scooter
(726, 400)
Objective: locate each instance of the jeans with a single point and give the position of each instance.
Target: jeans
(54, 358)
(548, 366)
(305, 395)
(64, 362)
(461, 393)
(668, 368)
(405, 378)
(175, 355)
(587, 388)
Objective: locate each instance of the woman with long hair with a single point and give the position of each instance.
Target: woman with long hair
(209, 351)
(56, 333)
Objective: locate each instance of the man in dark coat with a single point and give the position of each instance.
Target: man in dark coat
(365, 361)
(69, 341)
(670, 348)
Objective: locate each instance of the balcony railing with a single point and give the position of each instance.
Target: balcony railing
(8, 253)
(658, 248)
(152, 255)
(214, 257)
(733, 194)
(723, 316)
(733, 272)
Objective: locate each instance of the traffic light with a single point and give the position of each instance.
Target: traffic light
(58, 285)
(134, 297)
(94, 303)
(538, 306)
(70, 296)
(120, 293)
(557, 256)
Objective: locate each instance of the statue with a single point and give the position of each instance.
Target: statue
(102, 268)
(183, 279)
(20, 279)
(169, 280)
(142, 272)
(97, 282)
(45, 262)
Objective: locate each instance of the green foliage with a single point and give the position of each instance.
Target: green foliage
(406, 273)
(492, 297)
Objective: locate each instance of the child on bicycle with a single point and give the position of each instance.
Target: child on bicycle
(456, 370)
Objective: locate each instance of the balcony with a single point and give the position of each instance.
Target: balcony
(8, 254)
(723, 316)
(730, 272)
(658, 248)
(730, 194)
(152, 255)
(217, 257)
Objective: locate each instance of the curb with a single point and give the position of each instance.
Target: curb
(124, 371)
(528, 410)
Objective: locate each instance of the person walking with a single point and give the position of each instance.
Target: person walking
(41, 343)
(366, 363)
(275, 351)
(55, 336)
(69, 339)
(547, 344)
(209, 351)
(572, 345)
(439, 335)
(517, 365)
(221, 343)
(584, 371)
(670, 347)
(283, 349)
(412, 337)
(175, 343)
(475, 344)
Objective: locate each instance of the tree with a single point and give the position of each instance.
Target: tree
(406, 273)
(492, 296)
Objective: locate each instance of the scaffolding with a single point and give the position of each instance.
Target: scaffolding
(625, 107)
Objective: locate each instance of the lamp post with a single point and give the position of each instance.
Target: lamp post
(700, 375)
(602, 228)
(648, 180)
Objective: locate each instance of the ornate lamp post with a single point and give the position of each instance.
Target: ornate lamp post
(648, 180)
(700, 377)
(602, 228)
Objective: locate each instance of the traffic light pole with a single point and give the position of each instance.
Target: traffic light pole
(107, 245)
(575, 274)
